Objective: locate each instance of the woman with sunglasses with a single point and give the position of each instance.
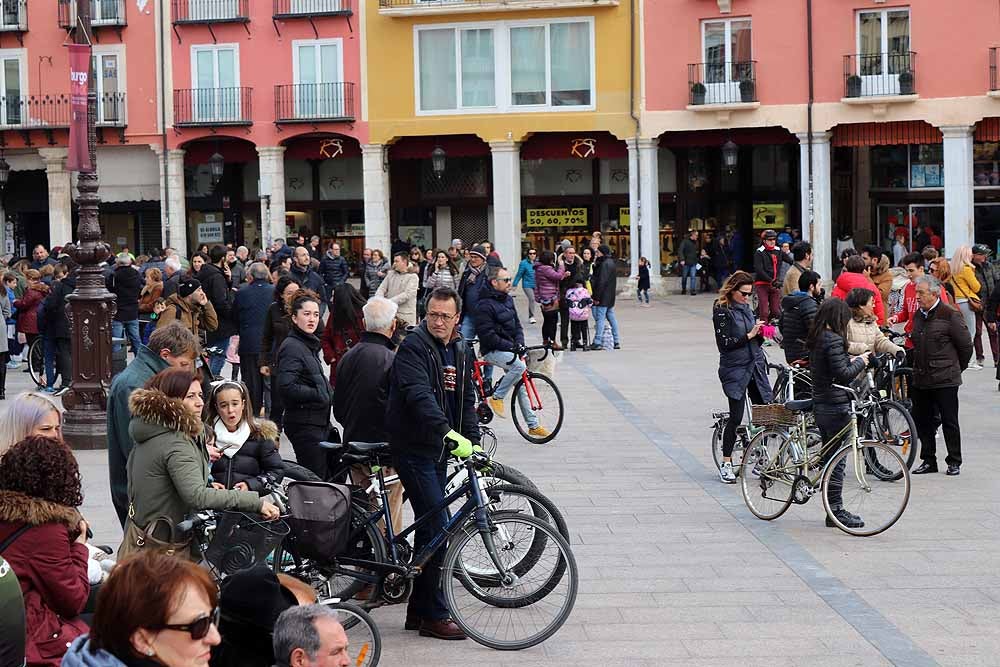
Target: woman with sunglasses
(742, 364)
(153, 610)
(250, 460)
(526, 276)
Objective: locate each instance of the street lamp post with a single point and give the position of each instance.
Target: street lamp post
(90, 307)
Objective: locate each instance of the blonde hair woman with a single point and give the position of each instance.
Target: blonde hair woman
(29, 414)
(966, 287)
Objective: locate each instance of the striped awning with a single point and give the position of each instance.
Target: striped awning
(893, 133)
(988, 129)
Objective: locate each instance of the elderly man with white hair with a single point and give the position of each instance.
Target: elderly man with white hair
(171, 275)
(363, 390)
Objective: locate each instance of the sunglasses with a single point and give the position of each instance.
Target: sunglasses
(745, 293)
(199, 628)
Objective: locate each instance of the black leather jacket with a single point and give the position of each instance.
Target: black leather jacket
(830, 364)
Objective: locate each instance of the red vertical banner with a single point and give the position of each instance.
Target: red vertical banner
(79, 79)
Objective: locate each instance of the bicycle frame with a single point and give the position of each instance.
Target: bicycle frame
(529, 384)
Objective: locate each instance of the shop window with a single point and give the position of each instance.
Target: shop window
(340, 178)
(667, 170)
(614, 176)
(298, 180)
(986, 163)
(927, 166)
(557, 177)
(697, 170)
(889, 167)
(772, 167)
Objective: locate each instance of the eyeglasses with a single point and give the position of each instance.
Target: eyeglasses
(441, 317)
(747, 294)
(198, 628)
(502, 280)
(531, 252)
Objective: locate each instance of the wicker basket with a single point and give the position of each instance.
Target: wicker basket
(773, 414)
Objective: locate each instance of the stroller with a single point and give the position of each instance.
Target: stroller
(580, 304)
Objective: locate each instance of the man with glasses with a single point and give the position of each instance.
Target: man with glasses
(914, 265)
(501, 342)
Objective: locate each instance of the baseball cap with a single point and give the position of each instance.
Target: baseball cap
(980, 249)
(770, 234)
(188, 287)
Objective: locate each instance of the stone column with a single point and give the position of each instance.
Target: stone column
(174, 225)
(442, 226)
(60, 196)
(375, 175)
(272, 182)
(633, 208)
(505, 228)
(649, 202)
(821, 236)
(958, 182)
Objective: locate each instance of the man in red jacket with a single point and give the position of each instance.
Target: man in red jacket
(914, 265)
(766, 263)
(855, 275)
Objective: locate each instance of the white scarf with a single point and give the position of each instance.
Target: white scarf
(231, 442)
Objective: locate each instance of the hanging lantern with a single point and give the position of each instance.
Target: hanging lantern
(217, 164)
(730, 155)
(4, 172)
(438, 158)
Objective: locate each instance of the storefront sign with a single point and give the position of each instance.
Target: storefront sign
(210, 232)
(79, 74)
(769, 215)
(556, 217)
(624, 218)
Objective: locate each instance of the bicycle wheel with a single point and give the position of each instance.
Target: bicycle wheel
(879, 502)
(36, 362)
(768, 474)
(537, 603)
(364, 642)
(544, 396)
(892, 424)
(739, 447)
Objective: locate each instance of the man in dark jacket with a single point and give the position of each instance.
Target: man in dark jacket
(431, 412)
(216, 281)
(303, 274)
(501, 342)
(689, 255)
(126, 284)
(170, 346)
(604, 282)
(57, 326)
(249, 312)
(798, 310)
(41, 257)
(572, 263)
(942, 348)
(988, 275)
(172, 276)
(474, 278)
(767, 269)
(334, 268)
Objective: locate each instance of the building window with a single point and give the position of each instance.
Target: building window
(14, 86)
(900, 167)
(110, 85)
(318, 70)
(504, 67)
(986, 163)
(216, 77)
(883, 46)
(725, 47)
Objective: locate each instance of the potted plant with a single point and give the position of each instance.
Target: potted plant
(747, 90)
(698, 93)
(854, 86)
(906, 82)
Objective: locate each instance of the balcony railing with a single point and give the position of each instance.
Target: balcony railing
(314, 102)
(410, 7)
(722, 83)
(880, 74)
(102, 13)
(211, 11)
(34, 111)
(213, 106)
(13, 16)
(289, 9)
(111, 110)
(994, 84)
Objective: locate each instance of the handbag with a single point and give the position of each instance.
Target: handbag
(549, 305)
(137, 539)
(975, 305)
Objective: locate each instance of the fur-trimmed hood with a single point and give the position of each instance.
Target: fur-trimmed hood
(17, 507)
(161, 413)
(266, 430)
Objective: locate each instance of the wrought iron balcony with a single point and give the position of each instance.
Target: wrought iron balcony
(27, 112)
(207, 107)
(994, 84)
(880, 74)
(722, 83)
(290, 9)
(111, 110)
(421, 7)
(211, 11)
(314, 102)
(13, 16)
(102, 13)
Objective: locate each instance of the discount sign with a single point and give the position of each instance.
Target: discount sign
(556, 217)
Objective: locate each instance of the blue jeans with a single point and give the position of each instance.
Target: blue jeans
(602, 313)
(468, 331)
(217, 360)
(512, 373)
(690, 271)
(50, 361)
(642, 293)
(424, 481)
(130, 330)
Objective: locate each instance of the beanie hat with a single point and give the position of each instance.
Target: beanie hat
(478, 250)
(188, 287)
(604, 250)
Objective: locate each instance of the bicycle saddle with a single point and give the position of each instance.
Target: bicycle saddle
(368, 448)
(803, 405)
(331, 446)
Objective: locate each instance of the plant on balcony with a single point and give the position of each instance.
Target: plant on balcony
(748, 90)
(906, 82)
(698, 93)
(854, 86)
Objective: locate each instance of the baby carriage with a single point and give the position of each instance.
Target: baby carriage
(580, 304)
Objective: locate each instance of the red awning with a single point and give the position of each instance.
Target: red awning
(454, 145)
(893, 133)
(745, 136)
(566, 145)
(322, 148)
(988, 129)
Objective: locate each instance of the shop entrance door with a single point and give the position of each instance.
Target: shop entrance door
(913, 218)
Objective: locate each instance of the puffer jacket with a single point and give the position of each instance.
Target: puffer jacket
(334, 270)
(257, 462)
(277, 325)
(525, 274)
(52, 570)
(371, 275)
(942, 347)
(741, 360)
(883, 281)
(847, 281)
(798, 310)
(830, 364)
(546, 282)
(497, 324)
(988, 275)
(441, 278)
(863, 335)
(126, 284)
(304, 388)
(168, 466)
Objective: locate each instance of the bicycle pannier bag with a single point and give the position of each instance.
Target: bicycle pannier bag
(320, 518)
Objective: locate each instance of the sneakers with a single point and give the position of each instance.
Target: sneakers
(726, 473)
(539, 432)
(532, 320)
(49, 390)
(13, 364)
(496, 405)
(60, 391)
(975, 366)
(843, 516)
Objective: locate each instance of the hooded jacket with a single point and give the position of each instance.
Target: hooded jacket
(334, 270)
(126, 284)
(217, 289)
(741, 360)
(847, 281)
(56, 321)
(830, 364)
(883, 281)
(497, 324)
(798, 310)
(168, 467)
(257, 462)
(304, 388)
(52, 570)
(863, 335)
(80, 654)
(193, 317)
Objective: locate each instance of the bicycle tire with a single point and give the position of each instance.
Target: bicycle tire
(765, 468)
(515, 412)
(739, 447)
(36, 362)
(895, 434)
(452, 574)
(299, 473)
(851, 485)
(364, 641)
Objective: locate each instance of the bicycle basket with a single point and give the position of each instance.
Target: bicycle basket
(773, 414)
(241, 541)
(320, 518)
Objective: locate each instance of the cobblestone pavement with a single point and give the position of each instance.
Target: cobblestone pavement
(675, 570)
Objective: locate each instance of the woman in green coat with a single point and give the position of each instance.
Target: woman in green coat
(169, 465)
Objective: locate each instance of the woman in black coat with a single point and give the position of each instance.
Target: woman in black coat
(742, 365)
(303, 386)
(250, 460)
(831, 365)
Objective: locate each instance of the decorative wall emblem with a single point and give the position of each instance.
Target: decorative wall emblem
(573, 175)
(296, 183)
(335, 182)
(583, 148)
(619, 175)
(330, 148)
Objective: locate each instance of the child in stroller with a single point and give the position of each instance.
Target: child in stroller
(579, 315)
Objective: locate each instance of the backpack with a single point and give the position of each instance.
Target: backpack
(320, 518)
